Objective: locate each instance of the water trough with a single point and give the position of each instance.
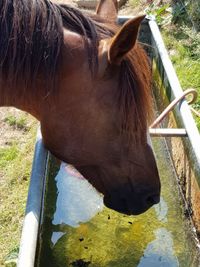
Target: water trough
(164, 236)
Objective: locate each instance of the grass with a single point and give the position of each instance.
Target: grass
(19, 123)
(7, 155)
(182, 42)
(15, 167)
(185, 58)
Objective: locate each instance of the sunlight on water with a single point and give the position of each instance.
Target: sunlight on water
(77, 201)
(78, 230)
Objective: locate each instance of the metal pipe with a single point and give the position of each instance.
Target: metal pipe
(173, 104)
(33, 207)
(167, 132)
(189, 124)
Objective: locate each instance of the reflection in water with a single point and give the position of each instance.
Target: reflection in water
(161, 210)
(86, 202)
(77, 200)
(160, 252)
(56, 236)
(78, 229)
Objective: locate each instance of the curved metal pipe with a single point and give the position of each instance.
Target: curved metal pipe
(192, 92)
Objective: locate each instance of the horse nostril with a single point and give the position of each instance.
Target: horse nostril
(154, 199)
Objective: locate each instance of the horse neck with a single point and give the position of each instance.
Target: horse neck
(23, 98)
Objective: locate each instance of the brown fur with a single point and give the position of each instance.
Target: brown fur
(33, 43)
(54, 63)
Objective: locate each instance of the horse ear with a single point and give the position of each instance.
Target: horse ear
(107, 9)
(124, 40)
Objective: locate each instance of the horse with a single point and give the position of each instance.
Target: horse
(87, 80)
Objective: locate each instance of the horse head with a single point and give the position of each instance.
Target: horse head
(100, 120)
(88, 82)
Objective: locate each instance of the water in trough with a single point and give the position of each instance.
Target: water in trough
(78, 230)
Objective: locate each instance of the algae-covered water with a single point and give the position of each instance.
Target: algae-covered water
(78, 230)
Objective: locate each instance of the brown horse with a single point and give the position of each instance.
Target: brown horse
(88, 82)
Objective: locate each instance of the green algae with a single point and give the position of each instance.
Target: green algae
(160, 237)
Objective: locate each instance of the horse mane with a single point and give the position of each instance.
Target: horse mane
(32, 43)
(33, 36)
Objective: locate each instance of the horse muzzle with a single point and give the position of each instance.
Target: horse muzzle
(133, 204)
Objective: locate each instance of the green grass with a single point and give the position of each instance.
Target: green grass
(19, 123)
(182, 41)
(7, 155)
(185, 59)
(15, 168)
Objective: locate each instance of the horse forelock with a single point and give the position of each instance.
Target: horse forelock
(32, 43)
